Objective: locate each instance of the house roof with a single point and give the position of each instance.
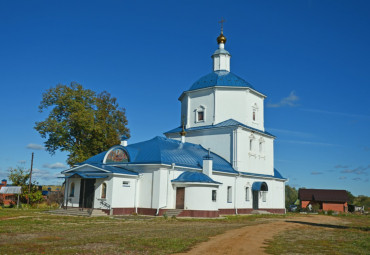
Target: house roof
(194, 177)
(226, 123)
(11, 190)
(220, 78)
(161, 150)
(323, 195)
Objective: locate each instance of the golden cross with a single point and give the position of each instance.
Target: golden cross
(222, 25)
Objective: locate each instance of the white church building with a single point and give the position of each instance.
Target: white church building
(220, 160)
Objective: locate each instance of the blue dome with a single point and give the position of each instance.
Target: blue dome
(220, 78)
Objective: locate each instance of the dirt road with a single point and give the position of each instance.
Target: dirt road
(251, 239)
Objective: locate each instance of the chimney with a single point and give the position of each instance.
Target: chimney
(124, 140)
(208, 164)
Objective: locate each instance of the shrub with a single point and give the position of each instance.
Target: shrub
(330, 212)
(165, 216)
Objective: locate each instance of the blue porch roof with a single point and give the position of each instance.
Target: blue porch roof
(194, 177)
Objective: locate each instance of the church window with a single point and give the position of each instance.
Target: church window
(247, 194)
(260, 146)
(229, 194)
(201, 116)
(116, 155)
(72, 193)
(254, 112)
(214, 195)
(250, 144)
(104, 190)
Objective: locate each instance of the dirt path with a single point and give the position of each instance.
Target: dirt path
(251, 239)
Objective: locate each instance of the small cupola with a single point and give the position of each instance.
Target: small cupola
(221, 57)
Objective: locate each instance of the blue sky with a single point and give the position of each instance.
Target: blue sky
(311, 58)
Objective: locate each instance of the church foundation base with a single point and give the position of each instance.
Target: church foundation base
(192, 213)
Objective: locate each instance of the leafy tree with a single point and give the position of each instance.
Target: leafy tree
(351, 197)
(80, 121)
(291, 195)
(20, 177)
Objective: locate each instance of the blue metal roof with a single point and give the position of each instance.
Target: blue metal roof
(276, 175)
(220, 78)
(161, 150)
(194, 177)
(226, 123)
(85, 176)
(260, 186)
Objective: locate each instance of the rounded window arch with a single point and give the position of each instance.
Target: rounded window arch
(72, 190)
(104, 190)
(116, 155)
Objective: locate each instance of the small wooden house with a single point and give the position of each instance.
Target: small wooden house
(326, 199)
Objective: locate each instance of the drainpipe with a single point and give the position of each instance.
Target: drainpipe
(235, 206)
(66, 191)
(135, 196)
(136, 188)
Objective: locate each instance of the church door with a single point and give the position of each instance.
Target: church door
(255, 199)
(180, 198)
(87, 191)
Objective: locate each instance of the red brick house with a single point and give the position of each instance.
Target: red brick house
(9, 194)
(327, 199)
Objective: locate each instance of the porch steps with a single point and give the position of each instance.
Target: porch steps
(260, 212)
(173, 212)
(78, 212)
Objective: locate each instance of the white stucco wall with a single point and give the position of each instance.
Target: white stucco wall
(200, 198)
(254, 161)
(202, 100)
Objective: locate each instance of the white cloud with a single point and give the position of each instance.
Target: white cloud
(316, 173)
(34, 146)
(307, 142)
(290, 132)
(338, 113)
(44, 176)
(290, 100)
(56, 165)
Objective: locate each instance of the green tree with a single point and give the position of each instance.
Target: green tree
(291, 195)
(20, 177)
(80, 121)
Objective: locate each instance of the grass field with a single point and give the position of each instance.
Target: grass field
(352, 236)
(34, 232)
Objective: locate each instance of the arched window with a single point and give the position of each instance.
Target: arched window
(246, 193)
(104, 190)
(261, 141)
(72, 190)
(254, 112)
(251, 138)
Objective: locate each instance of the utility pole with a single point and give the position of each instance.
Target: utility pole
(29, 185)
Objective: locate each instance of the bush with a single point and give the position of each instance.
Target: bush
(330, 212)
(165, 216)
